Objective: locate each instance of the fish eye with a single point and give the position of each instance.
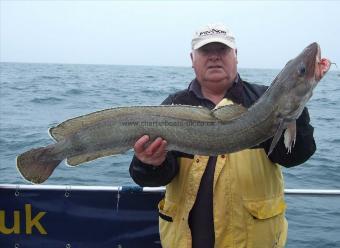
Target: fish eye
(302, 70)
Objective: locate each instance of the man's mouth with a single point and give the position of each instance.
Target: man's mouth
(214, 67)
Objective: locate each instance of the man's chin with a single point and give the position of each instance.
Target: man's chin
(216, 77)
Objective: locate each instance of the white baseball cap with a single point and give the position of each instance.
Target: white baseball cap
(213, 33)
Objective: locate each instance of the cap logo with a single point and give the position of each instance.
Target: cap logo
(212, 31)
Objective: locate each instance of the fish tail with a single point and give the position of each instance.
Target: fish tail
(37, 164)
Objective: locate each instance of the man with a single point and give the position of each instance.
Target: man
(232, 200)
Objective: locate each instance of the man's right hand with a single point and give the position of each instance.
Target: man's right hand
(152, 154)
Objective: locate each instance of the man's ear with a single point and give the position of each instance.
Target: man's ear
(192, 59)
(236, 56)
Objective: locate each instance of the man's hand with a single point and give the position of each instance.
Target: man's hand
(153, 154)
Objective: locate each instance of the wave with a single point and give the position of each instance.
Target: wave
(49, 77)
(74, 92)
(47, 100)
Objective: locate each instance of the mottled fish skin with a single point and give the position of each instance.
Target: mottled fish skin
(189, 129)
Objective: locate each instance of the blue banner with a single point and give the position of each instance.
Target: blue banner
(34, 218)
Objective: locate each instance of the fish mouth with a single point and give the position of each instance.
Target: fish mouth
(321, 65)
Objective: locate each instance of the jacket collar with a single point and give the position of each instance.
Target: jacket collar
(235, 93)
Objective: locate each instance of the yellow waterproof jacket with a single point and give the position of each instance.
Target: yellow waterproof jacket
(248, 201)
(248, 188)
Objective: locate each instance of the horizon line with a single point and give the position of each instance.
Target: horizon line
(103, 64)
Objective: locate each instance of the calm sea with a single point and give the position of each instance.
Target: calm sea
(35, 97)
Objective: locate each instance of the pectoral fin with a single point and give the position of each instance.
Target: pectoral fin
(290, 136)
(277, 137)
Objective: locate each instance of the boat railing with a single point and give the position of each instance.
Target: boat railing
(320, 192)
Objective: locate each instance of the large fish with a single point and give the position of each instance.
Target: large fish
(189, 129)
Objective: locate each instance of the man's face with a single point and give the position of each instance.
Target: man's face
(214, 62)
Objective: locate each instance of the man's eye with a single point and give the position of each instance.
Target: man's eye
(207, 50)
(203, 50)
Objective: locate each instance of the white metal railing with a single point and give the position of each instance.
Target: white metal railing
(328, 192)
(320, 192)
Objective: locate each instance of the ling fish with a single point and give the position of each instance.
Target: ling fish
(189, 129)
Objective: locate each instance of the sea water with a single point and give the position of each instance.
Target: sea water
(35, 97)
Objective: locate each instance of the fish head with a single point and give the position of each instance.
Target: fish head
(309, 66)
(298, 79)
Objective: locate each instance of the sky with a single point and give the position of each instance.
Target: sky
(268, 33)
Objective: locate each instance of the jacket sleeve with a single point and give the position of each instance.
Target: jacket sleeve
(146, 175)
(304, 146)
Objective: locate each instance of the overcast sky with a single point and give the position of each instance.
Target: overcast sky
(267, 33)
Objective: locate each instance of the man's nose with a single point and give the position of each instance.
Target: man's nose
(214, 54)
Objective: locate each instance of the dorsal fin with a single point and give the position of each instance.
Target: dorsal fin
(228, 112)
(70, 126)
